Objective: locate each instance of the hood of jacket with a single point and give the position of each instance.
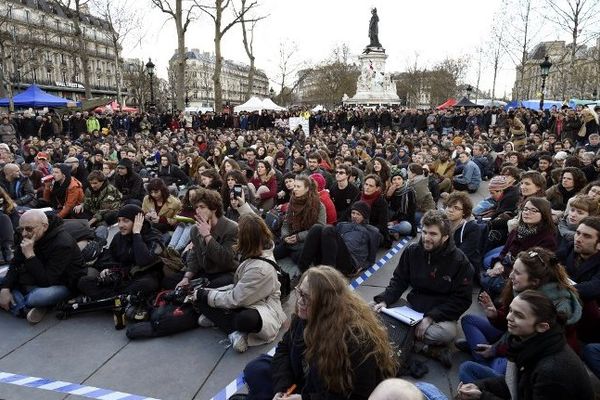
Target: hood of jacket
(566, 302)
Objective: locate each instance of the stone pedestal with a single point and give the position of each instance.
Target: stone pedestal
(374, 86)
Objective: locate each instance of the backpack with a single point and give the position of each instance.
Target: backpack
(274, 220)
(282, 276)
(402, 339)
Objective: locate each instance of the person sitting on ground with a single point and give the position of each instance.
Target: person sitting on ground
(372, 194)
(160, 207)
(250, 311)
(171, 174)
(18, 186)
(581, 206)
(181, 236)
(419, 182)
(349, 246)
(572, 180)
(45, 269)
(65, 192)
(330, 212)
(9, 221)
(77, 171)
(131, 264)
(101, 201)
(213, 237)
(402, 202)
(466, 233)
(504, 197)
(129, 183)
(541, 365)
(347, 365)
(443, 169)
(535, 269)
(441, 278)
(265, 184)
(343, 193)
(233, 178)
(470, 178)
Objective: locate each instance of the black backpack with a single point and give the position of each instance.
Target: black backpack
(282, 276)
(402, 340)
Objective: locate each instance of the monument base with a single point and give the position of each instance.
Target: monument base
(374, 86)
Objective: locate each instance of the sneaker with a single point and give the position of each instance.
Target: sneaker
(204, 322)
(239, 341)
(462, 345)
(36, 315)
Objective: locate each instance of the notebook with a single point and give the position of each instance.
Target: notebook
(404, 314)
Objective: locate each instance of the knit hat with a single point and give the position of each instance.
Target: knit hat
(126, 162)
(64, 168)
(72, 160)
(363, 208)
(129, 211)
(561, 155)
(397, 171)
(499, 182)
(320, 181)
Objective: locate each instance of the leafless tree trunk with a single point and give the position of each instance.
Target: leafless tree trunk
(6, 37)
(181, 25)
(248, 40)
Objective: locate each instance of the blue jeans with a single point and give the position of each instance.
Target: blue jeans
(258, 378)
(492, 285)
(484, 205)
(478, 330)
(471, 371)
(591, 356)
(37, 297)
(181, 237)
(403, 228)
(430, 391)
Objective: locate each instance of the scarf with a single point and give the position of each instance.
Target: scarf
(59, 192)
(370, 198)
(524, 231)
(402, 195)
(301, 215)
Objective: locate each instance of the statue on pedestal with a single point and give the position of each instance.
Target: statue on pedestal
(374, 29)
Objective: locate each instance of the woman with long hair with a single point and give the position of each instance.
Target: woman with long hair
(346, 365)
(210, 179)
(571, 181)
(535, 269)
(535, 228)
(402, 202)
(160, 207)
(540, 364)
(265, 183)
(181, 236)
(303, 211)
(381, 168)
(250, 312)
(233, 178)
(372, 194)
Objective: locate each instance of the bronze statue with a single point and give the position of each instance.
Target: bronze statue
(374, 29)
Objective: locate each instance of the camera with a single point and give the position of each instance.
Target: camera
(236, 191)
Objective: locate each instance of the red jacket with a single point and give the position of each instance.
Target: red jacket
(74, 197)
(329, 207)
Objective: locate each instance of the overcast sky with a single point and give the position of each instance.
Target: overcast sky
(425, 31)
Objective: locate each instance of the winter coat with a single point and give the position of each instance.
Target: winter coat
(514, 245)
(467, 237)
(172, 175)
(585, 273)
(131, 186)
(8, 133)
(285, 229)
(136, 253)
(167, 212)
(57, 260)
(362, 241)
(331, 213)
(92, 124)
(265, 197)
(556, 197)
(108, 198)
(424, 198)
(255, 287)
(20, 190)
(471, 176)
(546, 369)
(441, 281)
(73, 198)
(217, 256)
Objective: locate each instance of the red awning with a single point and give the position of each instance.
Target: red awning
(448, 103)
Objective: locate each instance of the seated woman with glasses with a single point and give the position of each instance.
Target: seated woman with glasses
(535, 228)
(541, 365)
(536, 269)
(310, 361)
(465, 230)
(249, 311)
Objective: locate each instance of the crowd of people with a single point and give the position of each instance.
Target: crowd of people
(231, 195)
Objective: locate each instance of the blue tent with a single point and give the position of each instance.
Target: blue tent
(534, 104)
(36, 97)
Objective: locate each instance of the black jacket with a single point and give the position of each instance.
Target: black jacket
(131, 185)
(20, 190)
(586, 273)
(57, 260)
(441, 281)
(547, 369)
(135, 253)
(467, 238)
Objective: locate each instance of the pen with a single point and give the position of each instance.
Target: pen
(290, 390)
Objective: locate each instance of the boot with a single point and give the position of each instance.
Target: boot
(439, 353)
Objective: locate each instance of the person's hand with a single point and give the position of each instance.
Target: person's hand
(497, 270)
(292, 239)
(27, 247)
(6, 299)
(377, 306)
(203, 227)
(183, 282)
(485, 350)
(468, 391)
(281, 194)
(78, 209)
(422, 327)
(104, 273)
(488, 305)
(138, 223)
(281, 396)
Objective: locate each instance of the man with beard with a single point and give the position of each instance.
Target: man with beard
(129, 183)
(443, 168)
(65, 192)
(441, 278)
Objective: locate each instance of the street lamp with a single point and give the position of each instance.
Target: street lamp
(150, 70)
(545, 69)
(187, 98)
(272, 93)
(469, 89)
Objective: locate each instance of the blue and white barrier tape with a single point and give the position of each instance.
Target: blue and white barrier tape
(67, 387)
(234, 386)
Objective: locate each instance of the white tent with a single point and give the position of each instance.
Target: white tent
(490, 103)
(268, 104)
(253, 104)
(318, 108)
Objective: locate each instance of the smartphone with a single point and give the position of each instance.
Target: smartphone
(237, 190)
(185, 220)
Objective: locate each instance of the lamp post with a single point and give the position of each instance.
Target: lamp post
(187, 97)
(469, 89)
(545, 70)
(150, 70)
(272, 93)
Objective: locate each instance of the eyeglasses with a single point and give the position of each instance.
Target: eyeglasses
(340, 172)
(27, 229)
(302, 295)
(530, 210)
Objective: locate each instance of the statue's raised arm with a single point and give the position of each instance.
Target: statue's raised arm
(374, 29)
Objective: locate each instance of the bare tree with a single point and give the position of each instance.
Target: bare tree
(580, 18)
(6, 39)
(248, 41)
(137, 80)
(125, 21)
(215, 12)
(176, 13)
(288, 66)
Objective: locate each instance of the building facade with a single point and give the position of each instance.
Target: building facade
(560, 85)
(40, 47)
(234, 80)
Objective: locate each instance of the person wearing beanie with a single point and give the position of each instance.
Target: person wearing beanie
(349, 246)
(129, 183)
(504, 197)
(325, 198)
(132, 258)
(78, 171)
(65, 192)
(96, 161)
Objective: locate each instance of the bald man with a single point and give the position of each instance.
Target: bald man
(46, 266)
(18, 186)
